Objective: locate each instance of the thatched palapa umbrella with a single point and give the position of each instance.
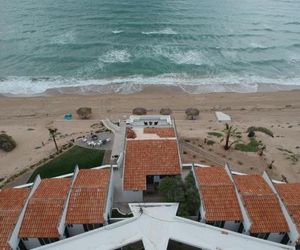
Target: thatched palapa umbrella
(192, 113)
(139, 111)
(84, 112)
(165, 111)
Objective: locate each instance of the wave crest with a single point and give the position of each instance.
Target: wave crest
(166, 31)
(115, 56)
(227, 83)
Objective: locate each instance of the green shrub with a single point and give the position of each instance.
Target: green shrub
(173, 189)
(210, 142)
(217, 134)
(261, 129)
(7, 143)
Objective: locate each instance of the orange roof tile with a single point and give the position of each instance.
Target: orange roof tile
(253, 184)
(161, 132)
(218, 194)
(262, 205)
(149, 157)
(290, 194)
(45, 208)
(88, 197)
(11, 204)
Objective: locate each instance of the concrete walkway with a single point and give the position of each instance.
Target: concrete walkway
(119, 132)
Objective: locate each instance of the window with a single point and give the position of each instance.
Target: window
(219, 224)
(89, 227)
(285, 239)
(22, 245)
(261, 235)
(241, 228)
(45, 241)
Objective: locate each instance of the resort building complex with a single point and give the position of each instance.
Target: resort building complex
(118, 204)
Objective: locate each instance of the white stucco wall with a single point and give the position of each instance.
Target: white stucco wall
(131, 196)
(109, 199)
(275, 237)
(246, 219)
(232, 225)
(75, 229)
(31, 243)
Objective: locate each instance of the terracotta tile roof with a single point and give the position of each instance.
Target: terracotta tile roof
(149, 157)
(218, 194)
(290, 194)
(11, 204)
(161, 132)
(212, 176)
(45, 208)
(253, 184)
(261, 204)
(88, 197)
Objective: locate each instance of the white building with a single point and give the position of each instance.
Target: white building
(151, 152)
(219, 205)
(263, 216)
(156, 224)
(90, 201)
(43, 220)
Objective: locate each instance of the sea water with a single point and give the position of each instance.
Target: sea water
(48, 44)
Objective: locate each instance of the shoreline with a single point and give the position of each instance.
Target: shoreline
(129, 88)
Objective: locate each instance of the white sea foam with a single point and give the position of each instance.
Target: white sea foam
(189, 57)
(166, 31)
(65, 38)
(192, 57)
(115, 56)
(229, 83)
(117, 31)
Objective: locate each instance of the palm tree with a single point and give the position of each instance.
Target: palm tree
(53, 133)
(229, 132)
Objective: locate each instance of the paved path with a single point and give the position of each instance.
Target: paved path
(111, 126)
(119, 132)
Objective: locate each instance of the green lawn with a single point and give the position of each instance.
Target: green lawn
(252, 146)
(66, 162)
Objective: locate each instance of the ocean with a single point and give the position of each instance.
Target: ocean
(47, 44)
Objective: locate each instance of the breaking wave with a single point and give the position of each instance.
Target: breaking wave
(167, 31)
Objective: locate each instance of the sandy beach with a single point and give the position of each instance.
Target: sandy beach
(26, 119)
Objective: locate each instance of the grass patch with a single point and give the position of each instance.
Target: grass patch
(210, 142)
(217, 134)
(252, 146)
(66, 162)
